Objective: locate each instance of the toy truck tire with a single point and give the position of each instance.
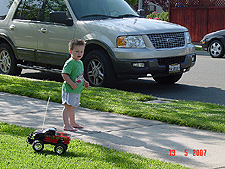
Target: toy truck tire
(38, 145)
(60, 148)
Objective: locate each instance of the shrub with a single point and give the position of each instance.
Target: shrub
(158, 16)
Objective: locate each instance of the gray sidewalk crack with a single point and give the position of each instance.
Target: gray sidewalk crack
(131, 128)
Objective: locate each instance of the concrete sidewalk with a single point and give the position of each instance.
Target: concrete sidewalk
(151, 139)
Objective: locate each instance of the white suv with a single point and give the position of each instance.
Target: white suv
(120, 44)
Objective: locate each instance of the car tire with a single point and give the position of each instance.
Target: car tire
(60, 148)
(171, 79)
(98, 69)
(8, 62)
(38, 145)
(216, 49)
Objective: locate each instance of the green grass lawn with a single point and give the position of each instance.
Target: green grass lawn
(79, 155)
(186, 113)
(198, 48)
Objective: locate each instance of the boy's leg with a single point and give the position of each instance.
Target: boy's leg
(72, 118)
(72, 112)
(66, 116)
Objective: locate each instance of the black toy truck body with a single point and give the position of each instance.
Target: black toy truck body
(49, 136)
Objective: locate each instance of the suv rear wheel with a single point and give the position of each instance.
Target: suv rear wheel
(8, 62)
(98, 69)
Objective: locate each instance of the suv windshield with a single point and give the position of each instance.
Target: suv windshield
(101, 9)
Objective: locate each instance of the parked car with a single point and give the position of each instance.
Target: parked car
(214, 43)
(120, 44)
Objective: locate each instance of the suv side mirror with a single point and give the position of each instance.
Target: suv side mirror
(141, 12)
(60, 17)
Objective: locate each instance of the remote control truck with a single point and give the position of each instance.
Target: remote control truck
(49, 136)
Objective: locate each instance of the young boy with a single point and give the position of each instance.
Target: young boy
(73, 75)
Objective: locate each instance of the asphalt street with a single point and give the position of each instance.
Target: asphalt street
(205, 82)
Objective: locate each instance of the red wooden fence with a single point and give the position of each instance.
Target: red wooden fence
(199, 16)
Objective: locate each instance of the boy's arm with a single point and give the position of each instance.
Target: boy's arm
(66, 77)
(86, 84)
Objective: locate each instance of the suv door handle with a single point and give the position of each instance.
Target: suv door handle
(44, 30)
(12, 27)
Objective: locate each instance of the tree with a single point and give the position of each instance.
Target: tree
(132, 2)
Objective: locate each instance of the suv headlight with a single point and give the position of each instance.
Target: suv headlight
(188, 37)
(130, 42)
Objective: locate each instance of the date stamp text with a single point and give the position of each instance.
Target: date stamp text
(194, 152)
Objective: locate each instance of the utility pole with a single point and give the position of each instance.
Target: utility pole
(140, 4)
(141, 11)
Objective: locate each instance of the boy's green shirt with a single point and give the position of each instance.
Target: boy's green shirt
(75, 70)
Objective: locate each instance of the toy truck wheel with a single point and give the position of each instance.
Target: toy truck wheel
(38, 145)
(66, 146)
(60, 148)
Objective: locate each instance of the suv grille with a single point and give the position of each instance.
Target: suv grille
(167, 40)
(171, 60)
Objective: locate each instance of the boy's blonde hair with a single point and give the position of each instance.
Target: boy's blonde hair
(75, 42)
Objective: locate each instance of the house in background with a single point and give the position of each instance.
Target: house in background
(152, 7)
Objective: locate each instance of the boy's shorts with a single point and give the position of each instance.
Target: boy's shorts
(70, 99)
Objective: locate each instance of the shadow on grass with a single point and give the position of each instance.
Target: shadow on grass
(51, 152)
(15, 130)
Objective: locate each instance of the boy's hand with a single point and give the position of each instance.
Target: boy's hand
(66, 77)
(73, 85)
(86, 84)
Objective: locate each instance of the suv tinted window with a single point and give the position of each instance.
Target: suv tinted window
(38, 10)
(53, 6)
(29, 10)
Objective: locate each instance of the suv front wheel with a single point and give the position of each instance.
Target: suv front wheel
(98, 69)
